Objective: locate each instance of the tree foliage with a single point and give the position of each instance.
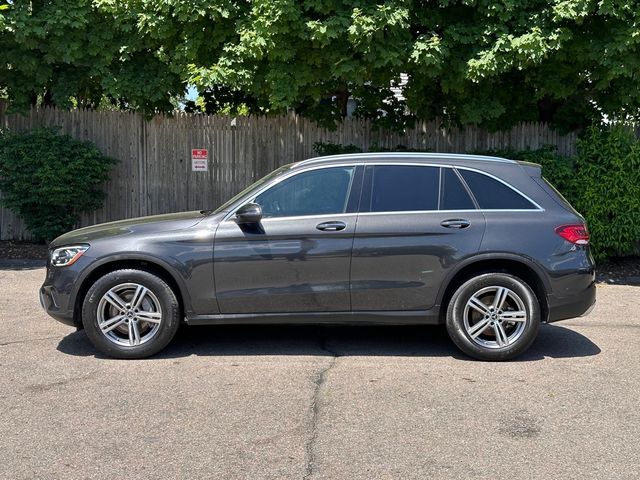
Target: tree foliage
(493, 63)
(82, 53)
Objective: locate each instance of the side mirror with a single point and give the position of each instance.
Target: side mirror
(250, 213)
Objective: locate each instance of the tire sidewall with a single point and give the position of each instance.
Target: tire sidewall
(455, 316)
(165, 295)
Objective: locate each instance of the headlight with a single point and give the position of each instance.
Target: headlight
(65, 256)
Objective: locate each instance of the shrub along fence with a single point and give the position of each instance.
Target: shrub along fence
(155, 172)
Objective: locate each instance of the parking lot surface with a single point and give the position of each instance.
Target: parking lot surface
(246, 402)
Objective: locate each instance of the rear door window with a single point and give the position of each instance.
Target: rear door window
(492, 194)
(402, 188)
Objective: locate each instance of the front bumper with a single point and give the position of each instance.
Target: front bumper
(50, 300)
(59, 291)
(572, 306)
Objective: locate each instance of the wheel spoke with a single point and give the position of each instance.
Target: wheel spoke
(134, 333)
(499, 299)
(514, 316)
(138, 296)
(151, 317)
(479, 327)
(112, 323)
(501, 335)
(477, 305)
(115, 300)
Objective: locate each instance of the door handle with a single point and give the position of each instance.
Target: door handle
(331, 226)
(455, 223)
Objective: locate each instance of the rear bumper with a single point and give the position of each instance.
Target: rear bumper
(572, 306)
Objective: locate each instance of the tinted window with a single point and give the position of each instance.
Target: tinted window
(492, 194)
(316, 192)
(403, 188)
(454, 194)
(551, 190)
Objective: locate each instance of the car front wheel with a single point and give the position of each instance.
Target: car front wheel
(130, 314)
(494, 316)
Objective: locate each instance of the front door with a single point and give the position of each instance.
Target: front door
(416, 222)
(297, 259)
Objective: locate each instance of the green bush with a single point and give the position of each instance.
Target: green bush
(606, 189)
(322, 149)
(49, 179)
(556, 168)
(327, 148)
(398, 148)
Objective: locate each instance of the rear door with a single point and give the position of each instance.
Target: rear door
(416, 222)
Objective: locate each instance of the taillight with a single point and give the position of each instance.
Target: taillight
(577, 234)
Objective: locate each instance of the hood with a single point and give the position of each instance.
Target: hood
(141, 225)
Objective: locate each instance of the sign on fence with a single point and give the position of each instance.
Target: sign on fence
(199, 160)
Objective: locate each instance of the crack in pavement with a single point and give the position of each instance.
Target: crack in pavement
(43, 387)
(320, 380)
(4, 344)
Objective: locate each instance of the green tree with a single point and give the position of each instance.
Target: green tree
(79, 52)
(488, 62)
(313, 55)
(493, 63)
(497, 63)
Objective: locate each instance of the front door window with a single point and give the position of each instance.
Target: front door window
(316, 192)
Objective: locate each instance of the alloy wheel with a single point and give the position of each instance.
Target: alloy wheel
(495, 317)
(129, 314)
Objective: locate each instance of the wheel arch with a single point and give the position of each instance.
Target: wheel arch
(515, 265)
(147, 264)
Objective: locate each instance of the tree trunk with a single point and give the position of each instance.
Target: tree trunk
(342, 100)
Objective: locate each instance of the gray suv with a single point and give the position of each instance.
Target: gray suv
(484, 245)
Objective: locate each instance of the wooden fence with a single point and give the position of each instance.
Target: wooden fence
(154, 174)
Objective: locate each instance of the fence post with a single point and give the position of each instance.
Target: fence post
(142, 167)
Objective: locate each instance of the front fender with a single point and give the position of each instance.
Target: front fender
(121, 260)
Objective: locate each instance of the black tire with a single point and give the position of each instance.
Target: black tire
(161, 293)
(491, 350)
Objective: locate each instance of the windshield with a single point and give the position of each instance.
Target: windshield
(226, 205)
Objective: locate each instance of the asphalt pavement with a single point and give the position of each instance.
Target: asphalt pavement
(280, 402)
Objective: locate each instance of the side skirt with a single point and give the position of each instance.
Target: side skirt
(412, 317)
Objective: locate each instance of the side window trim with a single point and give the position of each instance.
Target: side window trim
(367, 185)
(365, 189)
(354, 195)
(440, 189)
(466, 187)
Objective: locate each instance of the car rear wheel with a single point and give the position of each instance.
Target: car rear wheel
(130, 314)
(494, 316)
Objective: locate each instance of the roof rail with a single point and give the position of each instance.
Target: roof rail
(425, 155)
